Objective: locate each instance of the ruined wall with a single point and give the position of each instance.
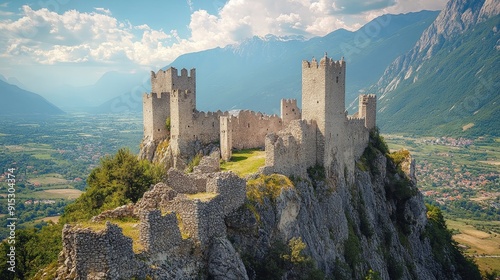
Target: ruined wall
(292, 150)
(97, 255)
(357, 138)
(289, 111)
(159, 234)
(183, 183)
(202, 219)
(230, 187)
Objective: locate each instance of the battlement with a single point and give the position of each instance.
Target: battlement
(173, 72)
(325, 62)
(368, 98)
(181, 93)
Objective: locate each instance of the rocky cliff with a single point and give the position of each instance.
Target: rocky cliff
(370, 223)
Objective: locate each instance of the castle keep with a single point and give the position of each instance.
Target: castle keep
(321, 133)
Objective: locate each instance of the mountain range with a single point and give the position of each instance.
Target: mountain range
(20, 102)
(258, 72)
(449, 82)
(434, 73)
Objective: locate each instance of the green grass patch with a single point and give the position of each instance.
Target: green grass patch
(129, 227)
(203, 196)
(269, 186)
(245, 162)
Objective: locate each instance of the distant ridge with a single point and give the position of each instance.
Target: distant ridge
(19, 102)
(448, 83)
(258, 72)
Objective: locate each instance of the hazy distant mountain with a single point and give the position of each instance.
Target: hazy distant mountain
(257, 73)
(110, 85)
(449, 82)
(19, 102)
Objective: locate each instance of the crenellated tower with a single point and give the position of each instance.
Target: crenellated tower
(156, 105)
(289, 111)
(368, 109)
(323, 101)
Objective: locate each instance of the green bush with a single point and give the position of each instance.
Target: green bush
(118, 180)
(195, 161)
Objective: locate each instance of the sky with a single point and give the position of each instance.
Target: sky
(46, 43)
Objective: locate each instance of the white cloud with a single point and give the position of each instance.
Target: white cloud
(103, 10)
(97, 37)
(48, 38)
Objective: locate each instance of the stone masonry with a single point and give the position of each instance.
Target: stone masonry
(193, 204)
(337, 138)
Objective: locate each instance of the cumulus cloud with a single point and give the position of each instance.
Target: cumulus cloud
(74, 37)
(48, 38)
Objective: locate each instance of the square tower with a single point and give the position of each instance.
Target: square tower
(323, 101)
(155, 111)
(156, 106)
(368, 109)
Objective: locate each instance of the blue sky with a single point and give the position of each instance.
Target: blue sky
(45, 43)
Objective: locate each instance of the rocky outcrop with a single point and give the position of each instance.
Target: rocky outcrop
(342, 226)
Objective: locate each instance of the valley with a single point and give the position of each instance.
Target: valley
(53, 156)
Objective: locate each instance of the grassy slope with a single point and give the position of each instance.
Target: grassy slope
(458, 86)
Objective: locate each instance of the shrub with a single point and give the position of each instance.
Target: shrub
(195, 161)
(269, 186)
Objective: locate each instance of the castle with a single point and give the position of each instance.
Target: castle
(188, 212)
(320, 134)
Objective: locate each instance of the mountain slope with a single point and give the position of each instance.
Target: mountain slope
(257, 73)
(19, 102)
(110, 85)
(448, 83)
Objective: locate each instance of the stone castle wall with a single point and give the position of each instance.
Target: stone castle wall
(106, 254)
(159, 234)
(200, 219)
(230, 187)
(339, 138)
(292, 150)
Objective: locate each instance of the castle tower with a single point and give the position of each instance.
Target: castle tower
(182, 107)
(155, 111)
(289, 111)
(323, 101)
(368, 109)
(168, 80)
(156, 106)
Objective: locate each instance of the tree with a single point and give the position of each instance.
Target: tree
(118, 180)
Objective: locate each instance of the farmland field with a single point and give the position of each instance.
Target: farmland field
(484, 246)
